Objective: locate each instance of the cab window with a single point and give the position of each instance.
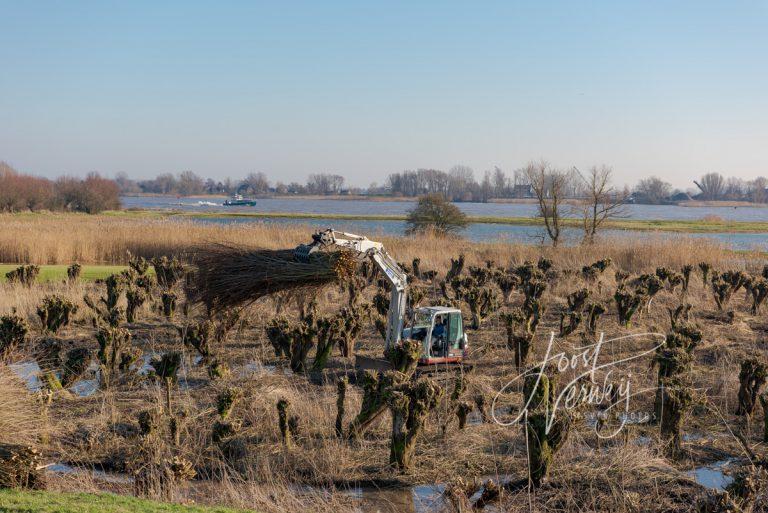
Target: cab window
(422, 320)
(455, 330)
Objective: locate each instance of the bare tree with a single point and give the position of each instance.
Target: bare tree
(461, 180)
(600, 200)
(712, 186)
(500, 183)
(734, 189)
(189, 183)
(549, 186)
(254, 183)
(653, 190)
(757, 192)
(486, 188)
(325, 183)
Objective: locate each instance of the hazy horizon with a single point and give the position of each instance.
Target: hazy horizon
(673, 90)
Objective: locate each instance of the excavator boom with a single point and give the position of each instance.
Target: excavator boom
(366, 248)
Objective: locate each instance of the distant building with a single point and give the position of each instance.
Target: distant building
(680, 196)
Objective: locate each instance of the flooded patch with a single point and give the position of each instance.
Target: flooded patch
(256, 367)
(29, 373)
(99, 475)
(85, 387)
(416, 499)
(143, 367)
(643, 440)
(713, 475)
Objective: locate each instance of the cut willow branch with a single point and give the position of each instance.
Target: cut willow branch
(229, 276)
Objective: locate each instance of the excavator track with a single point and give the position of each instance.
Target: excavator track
(441, 370)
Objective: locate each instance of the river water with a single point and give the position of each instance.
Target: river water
(476, 231)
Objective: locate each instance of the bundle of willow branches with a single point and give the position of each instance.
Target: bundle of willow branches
(228, 276)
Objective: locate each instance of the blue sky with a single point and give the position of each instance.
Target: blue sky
(674, 89)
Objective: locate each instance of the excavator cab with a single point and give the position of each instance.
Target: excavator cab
(441, 333)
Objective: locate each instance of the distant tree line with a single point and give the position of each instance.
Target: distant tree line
(456, 184)
(710, 187)
(21, 192)
(188, 183)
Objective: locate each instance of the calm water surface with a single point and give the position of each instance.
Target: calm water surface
(498, 232)
(478, 232)
(334, 206)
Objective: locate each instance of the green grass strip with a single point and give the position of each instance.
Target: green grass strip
(15, 501)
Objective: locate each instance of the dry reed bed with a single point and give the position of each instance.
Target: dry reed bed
(20, 419)
(67, 238)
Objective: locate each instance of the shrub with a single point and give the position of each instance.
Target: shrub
(759, 291)
(752, 377)
(167, 366)
(627, 304)
(725, 285)
(434, 213)
(73, 272)
(110, 314)
(482, 303)
(24, 275)
(168, 304)
(168, 271)
(288, 425)
(55, 313)
(410, 403)
(200, 337)
(545, 433)
(13, 333)
(226, 401)
(92, 195)
(576, 303)
(114, 351)
(75, 365)
(135, 297)
(23, 192)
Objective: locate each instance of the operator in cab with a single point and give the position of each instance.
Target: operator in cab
(438, 336)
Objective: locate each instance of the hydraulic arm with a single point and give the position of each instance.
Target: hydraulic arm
(375, 251)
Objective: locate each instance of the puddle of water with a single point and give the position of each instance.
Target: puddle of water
(144, 367)
(107, 477)
(256, 367)
(713, 475)
(416, 499)
(609, 419)
(474, 418)
(29, 373)
(85, 387)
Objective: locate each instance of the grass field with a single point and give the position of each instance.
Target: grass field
(59, 272)
(47, 502)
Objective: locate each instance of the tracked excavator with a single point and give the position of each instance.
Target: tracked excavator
(439, 329)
